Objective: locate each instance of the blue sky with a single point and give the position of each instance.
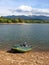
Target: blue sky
(33, 3)
(24, 7)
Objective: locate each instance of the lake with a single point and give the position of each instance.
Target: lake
(36, 35)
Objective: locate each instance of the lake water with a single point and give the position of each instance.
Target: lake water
(36, 35)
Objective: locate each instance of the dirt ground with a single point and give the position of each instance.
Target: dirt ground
(29, 58)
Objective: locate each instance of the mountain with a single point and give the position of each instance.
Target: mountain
(23, 17)
(28, 17)
(40, 17)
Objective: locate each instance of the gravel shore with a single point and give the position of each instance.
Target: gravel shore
(29, 58)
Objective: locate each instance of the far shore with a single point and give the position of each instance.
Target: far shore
(12, 23)
(18, 23)
(23, 23)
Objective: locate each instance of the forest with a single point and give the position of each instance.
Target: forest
(19, 20)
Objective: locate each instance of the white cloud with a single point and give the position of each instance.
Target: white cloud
(24, 10)
(5, 12)
(28, 10)
(44, 12)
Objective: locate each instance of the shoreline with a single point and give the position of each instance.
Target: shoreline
(23, 23)
(18, 23)
(12, 23)
(28, 58)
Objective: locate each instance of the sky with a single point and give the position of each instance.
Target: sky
(24, 7)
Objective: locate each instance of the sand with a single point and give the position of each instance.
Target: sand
(29, 58)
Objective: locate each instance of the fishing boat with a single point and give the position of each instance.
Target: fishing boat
(22, 48)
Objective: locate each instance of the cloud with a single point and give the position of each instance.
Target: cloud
(44, 12)
(28, 10)
(5, 12)
(24, 10)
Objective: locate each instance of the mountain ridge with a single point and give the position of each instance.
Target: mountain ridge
(28, 17)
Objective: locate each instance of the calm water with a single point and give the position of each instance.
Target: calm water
(36, 35)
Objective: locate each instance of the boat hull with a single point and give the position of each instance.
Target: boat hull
(21, 49)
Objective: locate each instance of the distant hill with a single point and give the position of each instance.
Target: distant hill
(28, 17)
(40, 17)
(22, 17)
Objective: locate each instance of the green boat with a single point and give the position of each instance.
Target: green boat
(22, 48)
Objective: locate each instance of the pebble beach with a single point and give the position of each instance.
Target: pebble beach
(28, 58)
